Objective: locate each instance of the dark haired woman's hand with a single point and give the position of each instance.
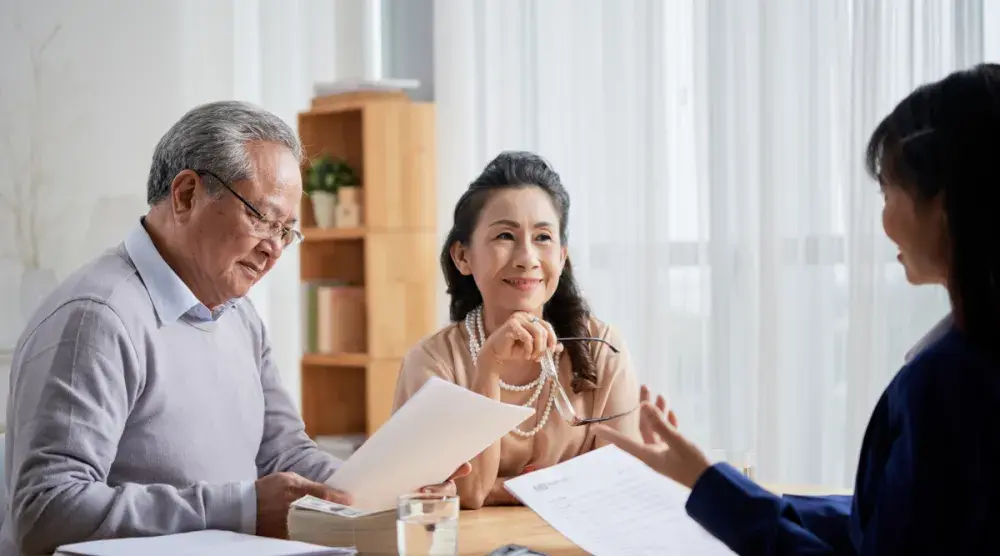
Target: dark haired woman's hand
(523, 336)
(448, 487)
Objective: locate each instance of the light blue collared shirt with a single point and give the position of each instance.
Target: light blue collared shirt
(172, 298)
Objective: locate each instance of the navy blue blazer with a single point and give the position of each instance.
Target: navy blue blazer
(928, 479)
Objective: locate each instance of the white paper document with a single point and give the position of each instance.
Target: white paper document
(200, 543)
(308, 502)
(610, 503)
(441, 427)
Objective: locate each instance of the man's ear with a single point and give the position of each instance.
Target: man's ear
(182, 193)
(460, 256)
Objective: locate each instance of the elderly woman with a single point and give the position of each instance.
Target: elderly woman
(516, 309)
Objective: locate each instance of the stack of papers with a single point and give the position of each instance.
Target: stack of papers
(199, 543)
(610, 503)
(441, 427)
(362, 85)
(325, 523)
(437, 430)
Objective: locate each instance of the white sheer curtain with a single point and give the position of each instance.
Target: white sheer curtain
(163, 58)
(721, 216)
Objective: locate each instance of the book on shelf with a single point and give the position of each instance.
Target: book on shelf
(334, 318)
(316, 521)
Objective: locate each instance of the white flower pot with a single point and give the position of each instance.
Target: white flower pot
(324, 208)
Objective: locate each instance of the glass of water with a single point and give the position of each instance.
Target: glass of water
(427, 525)
(746, 463)
(749, 465)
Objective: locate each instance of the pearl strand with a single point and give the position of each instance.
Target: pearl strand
(476, 342)
(509, 387)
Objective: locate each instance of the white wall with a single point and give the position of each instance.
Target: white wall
(457, 141)
(408, 43)
(991, 22)
(116, 75)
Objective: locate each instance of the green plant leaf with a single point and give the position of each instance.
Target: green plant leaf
(328, 174)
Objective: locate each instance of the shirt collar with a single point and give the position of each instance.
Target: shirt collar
(935, 334)
(171, 297)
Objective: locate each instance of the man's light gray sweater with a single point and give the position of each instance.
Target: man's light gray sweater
(120, 426)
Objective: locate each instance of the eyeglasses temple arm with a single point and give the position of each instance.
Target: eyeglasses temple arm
(601, 340)
(550, 368)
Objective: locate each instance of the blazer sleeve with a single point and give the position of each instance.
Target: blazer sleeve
(935, 481)
(751, 520)
(940, 480)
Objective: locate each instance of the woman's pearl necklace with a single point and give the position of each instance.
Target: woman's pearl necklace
(477, 336)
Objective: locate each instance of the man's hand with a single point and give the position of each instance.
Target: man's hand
(448, 487)
(275, 494)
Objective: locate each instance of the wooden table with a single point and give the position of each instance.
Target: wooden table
(483, 531)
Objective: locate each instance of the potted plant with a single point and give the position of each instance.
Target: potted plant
(325, 177)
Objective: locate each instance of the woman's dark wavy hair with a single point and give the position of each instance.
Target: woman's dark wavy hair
(566, 311)
(944, 139)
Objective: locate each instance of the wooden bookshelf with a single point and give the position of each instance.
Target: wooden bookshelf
(392, 258)
(327, 234)
(346, 359)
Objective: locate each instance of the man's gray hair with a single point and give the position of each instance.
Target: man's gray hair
(214, 137)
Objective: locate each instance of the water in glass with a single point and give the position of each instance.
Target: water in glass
(427, 525)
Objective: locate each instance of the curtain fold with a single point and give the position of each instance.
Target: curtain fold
(721, 216)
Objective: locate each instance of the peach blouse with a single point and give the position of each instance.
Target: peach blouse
(446, 354)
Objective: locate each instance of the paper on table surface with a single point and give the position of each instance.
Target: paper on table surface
(441, 427)
(610, 503)
(198, 543)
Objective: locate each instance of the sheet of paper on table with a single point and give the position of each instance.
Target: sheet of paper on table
(441, 427)
(197, 543)
(610, 503)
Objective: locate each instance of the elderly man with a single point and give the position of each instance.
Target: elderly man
(144, 396)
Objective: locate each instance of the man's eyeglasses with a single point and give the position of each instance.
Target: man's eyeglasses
(263, 227)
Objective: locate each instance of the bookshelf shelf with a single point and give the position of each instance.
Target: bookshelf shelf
(332, 234)
(335, 359)
(369, 293)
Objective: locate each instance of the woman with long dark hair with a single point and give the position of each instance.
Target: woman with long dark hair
(521, 331)
(928, 479)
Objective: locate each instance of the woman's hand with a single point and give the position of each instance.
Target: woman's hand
(663, 448)
(448, 487)
(661, 404)
(522, 336)
(500, 496)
